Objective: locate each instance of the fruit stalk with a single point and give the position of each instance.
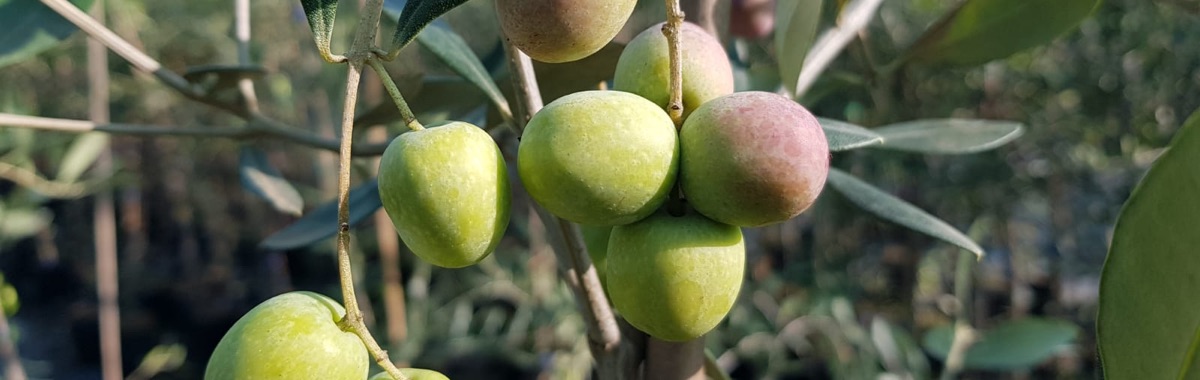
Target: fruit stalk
(406, 114)
(360, 54)
(671, 31)
(667, 360)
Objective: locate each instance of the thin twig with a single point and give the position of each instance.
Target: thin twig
(258, 124)
(604, 335)
(13, 370)
(360, 53)
(104, 214)
(136, 57)
(259, 127)
(964, 334)
(31, 180)
(242, 30)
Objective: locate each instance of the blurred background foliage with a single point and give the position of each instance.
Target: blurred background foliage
(834, 293)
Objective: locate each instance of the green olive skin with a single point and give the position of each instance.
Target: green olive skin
(644, 67)
(675, 277)
(601, 158)
(446, 191)
(281, 337)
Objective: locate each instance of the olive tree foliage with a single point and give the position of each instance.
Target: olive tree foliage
(447, 58)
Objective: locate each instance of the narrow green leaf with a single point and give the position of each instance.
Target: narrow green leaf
(321, 15)
(31, 28)
(854, 16)
(898, 351)
(262, 179)
(21, 223)
(1149, 321)
(454, 52)
(1012, 345)
(83, 152)
(415, 16)
(795, 28)
(321, 223)
(889, 207)
(979, 31)
(845, 136)
(949, 136)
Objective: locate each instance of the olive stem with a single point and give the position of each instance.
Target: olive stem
(964, 335)
(360, 55)
(670, 30)
(259, 127)
(8, 352)
(604, 334)
(406, 114)
(258, 124)
(242, 30)
(675, 360)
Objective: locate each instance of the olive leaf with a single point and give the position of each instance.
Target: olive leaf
(795, 28)
(321, 15)
(897, 210)
(450, 48)
(1149, 312)
(979, 31)
(948, 136)
(853, 17)
(1011, 345)
(262, 179)
(79, 157)
(321, 222)
(31, 27)
(845, 136)
(19, 223)
(415, 16)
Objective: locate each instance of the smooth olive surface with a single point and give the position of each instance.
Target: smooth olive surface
(413, 374)
(446, 190)
(290, 336)
(599, 158)
(644, 67)
(675, 278)
(752, 159)
(556, 31)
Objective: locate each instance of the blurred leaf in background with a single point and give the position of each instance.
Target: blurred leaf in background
(31, 28)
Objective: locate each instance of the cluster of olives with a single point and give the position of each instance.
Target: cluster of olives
(610, 160)
(661, 207)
